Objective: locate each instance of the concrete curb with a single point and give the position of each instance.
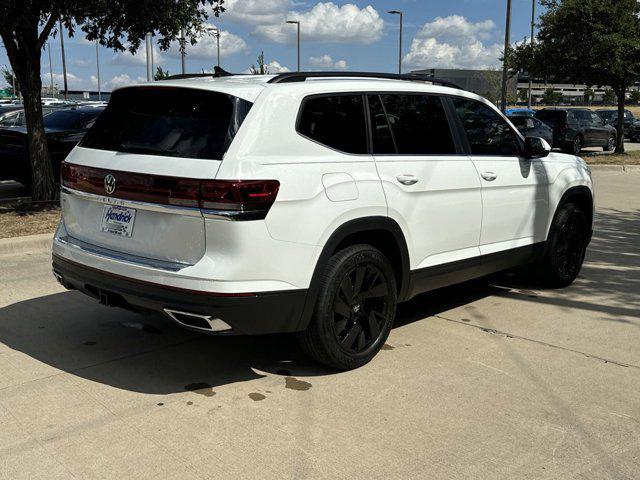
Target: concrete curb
(615, 168)
(26, 244)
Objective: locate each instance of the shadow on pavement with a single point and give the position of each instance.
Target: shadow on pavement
(150, 354)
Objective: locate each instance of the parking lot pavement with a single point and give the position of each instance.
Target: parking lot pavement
(484, 380)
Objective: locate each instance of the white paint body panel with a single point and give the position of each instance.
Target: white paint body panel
(448, 215)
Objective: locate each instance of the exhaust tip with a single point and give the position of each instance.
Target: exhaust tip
(206, 323)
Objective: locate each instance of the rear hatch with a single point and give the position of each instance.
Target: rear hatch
(555, 119)
(133, 184)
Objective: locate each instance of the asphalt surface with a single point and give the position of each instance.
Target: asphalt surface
(495, 380)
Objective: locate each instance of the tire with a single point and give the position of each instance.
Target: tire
(566, 248)
(354, 311)
(576, 145)
(610, 146)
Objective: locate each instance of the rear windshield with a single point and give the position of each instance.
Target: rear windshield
(69, 119)
(551, 116)
(176, 122)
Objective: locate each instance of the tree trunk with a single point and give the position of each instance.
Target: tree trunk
(620, 126)
(24, 56)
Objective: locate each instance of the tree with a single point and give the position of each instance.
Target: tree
(589, 93)
(551, 97)
(116, 24)
(9, 77)
(609, 96)
(634, 96)
(161, 74)
(596, 42)
(261, 69)
(523, 94)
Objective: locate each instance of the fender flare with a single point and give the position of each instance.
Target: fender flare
(574, 190)
(358, 225)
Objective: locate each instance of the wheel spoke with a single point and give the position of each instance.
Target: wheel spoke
(351, 337)
(361, 341)
(374, 328)
(357, 287)
(339, 326)
(341, 308)
(379, 290)
(347, 288)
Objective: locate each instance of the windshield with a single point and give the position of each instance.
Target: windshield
(551, 116)
(177, 122)
(70, 119)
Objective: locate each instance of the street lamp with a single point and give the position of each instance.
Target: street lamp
(182, 52)
(398, 12)
(98, 72)
(149, 47)
(297, 22)
(533, 24)
(64, 61)
(216, 33)
(505, 65)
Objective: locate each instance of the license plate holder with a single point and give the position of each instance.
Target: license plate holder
(118, 220)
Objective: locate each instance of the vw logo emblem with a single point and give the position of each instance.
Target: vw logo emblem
(109, 184)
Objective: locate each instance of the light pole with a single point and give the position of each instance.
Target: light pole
(98, 72)
(148, 46)
(533, 24)
(505, 65)
(297, 23)
(398, 12)
(216, 33)
(50, 67)
(64, 61)
(182, 52)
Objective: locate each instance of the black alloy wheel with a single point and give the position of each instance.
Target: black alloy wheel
(611, 144)
(577, 145)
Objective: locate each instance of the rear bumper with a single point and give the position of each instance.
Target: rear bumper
(252, 314)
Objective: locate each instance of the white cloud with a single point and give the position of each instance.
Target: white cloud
(73, 81)
(327, 22)
(256, 11)
(122, 80)
(137, 59)
(325, 62)
(453, 42)
(79, 62)
(206, 48)
(275, 67)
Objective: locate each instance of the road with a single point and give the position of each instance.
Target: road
(484, 380)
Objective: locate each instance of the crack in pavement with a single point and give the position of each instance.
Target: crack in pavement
(493, 331)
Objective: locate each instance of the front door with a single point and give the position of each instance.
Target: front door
(431, 186)
(514, 189)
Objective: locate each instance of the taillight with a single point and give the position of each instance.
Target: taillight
(68, 175)
(238, 199)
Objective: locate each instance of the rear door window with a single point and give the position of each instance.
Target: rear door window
(176, 122)
(417, 123)
(487, 132)
(336, 121)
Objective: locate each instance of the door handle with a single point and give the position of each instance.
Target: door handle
(407, 179)
(489, 176)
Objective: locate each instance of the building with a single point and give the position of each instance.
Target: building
(487, 83)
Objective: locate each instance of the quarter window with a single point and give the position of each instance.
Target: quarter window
(418, 124)
(335, 121)
(487, 132)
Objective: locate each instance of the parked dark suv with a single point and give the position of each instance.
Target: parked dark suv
(575, 128)
(610, 117)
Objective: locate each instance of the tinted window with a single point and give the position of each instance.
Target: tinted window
(167, 121)
(70, 119)
(487, 132)
(582, 116)
(552, 117)
(418, 123)
(382, 138)
(335, 121)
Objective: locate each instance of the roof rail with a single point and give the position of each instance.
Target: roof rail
(217, 72)
(419, 77)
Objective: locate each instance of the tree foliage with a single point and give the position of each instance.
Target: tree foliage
(609, 96)
(161, 74)
(551, 97)
(116, 24)
(596, 42)
(261, 68)
(9, 78)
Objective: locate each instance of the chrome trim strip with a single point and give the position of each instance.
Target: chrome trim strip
(234, 215)
(217, 325)
(155, 207)
(119, 256)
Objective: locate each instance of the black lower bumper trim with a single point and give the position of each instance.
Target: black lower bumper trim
(262, 313)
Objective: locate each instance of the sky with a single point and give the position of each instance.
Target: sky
(335, 35)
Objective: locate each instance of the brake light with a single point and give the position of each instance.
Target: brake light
(235, 199)
(238, 195)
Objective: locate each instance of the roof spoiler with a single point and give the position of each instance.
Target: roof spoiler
(414, 77)
(217, 72)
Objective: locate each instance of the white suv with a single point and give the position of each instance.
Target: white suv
(310, 203)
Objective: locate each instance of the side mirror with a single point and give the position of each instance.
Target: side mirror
(535, 147)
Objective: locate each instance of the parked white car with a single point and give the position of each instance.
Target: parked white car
(309, 203)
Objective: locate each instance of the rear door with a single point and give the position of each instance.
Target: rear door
(431, 186)
(132, 185)
(514, 188)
